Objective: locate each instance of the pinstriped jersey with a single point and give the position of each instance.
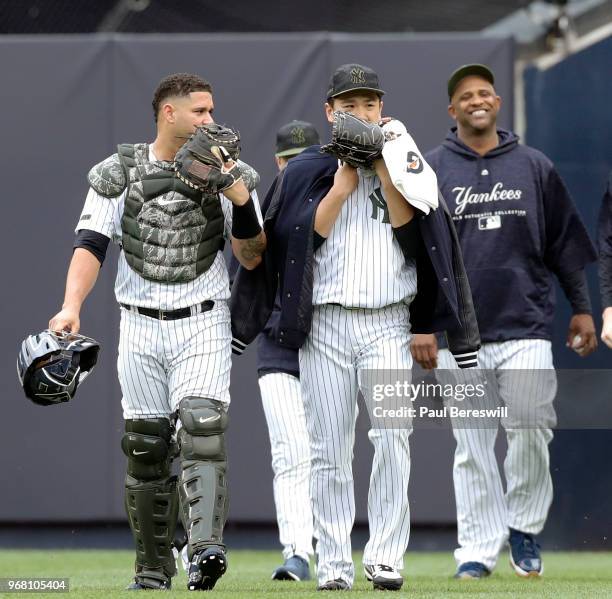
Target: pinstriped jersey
(361, 265)
(103, 215)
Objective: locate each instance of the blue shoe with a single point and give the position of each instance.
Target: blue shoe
(472, 570)
(294, 568)
(525, 554)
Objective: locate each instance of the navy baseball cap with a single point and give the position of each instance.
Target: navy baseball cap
(466, 70)
(349, 77)
(295, 137)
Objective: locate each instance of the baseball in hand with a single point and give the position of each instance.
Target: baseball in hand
(576, 345)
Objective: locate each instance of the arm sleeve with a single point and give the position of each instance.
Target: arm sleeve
(604, 242)
(576, 289)
(568, 245)
(409, 238)
(92, 241)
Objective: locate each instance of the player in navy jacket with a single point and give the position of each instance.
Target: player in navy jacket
(517, 226)
(344, 253)
(443, 301)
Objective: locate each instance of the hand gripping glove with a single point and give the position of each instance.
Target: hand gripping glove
(202, 161)
(355, 141)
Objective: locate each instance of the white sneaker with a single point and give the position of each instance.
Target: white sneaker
(384, 578)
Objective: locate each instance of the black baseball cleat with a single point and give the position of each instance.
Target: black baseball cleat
(334, 585)
(139, 586)
(206, 567)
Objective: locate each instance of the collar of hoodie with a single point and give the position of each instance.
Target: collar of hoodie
(507, 142)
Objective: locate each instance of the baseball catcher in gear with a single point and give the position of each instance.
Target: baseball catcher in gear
(51, 365)
(208, 159)
(355, 141)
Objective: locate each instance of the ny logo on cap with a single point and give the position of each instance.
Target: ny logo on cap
(297, 136)
(357, 75)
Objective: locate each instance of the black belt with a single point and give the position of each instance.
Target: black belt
(172, 314)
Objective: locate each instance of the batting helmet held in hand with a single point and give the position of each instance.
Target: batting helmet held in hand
(51, 365)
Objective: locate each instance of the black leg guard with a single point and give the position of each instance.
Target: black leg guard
(203, 489)
(151, 500)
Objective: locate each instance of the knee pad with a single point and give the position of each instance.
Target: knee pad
(201, 436)
(203, 490)
(147, 445)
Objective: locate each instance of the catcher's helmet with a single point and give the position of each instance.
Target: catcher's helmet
(51, 365)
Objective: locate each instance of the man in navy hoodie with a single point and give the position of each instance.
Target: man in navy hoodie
(517, 225)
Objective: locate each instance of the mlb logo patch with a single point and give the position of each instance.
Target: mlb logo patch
(486, 223)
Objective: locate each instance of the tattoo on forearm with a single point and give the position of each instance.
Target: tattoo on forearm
(252, 248)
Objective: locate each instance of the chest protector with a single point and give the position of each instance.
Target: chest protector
(171, 233)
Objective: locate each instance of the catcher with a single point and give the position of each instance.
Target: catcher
(345, 236)
(170, 208)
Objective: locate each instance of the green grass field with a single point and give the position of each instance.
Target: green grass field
(427, 575)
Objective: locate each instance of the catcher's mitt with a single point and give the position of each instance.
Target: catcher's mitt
(201, 161)
(354, 140)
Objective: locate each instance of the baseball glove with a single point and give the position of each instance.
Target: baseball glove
(354, 140)
(202, 161)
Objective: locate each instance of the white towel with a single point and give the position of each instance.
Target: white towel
(409, 172)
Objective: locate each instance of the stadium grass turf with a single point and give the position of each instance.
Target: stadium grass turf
(99, 574)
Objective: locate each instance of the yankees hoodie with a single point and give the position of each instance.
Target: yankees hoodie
(517, 226)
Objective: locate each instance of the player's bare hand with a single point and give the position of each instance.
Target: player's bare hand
(345, 181)
(581, 336)
(67, 319)
(424, 350)
(606, 330)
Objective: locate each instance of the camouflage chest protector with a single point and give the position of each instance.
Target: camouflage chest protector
(170, 232)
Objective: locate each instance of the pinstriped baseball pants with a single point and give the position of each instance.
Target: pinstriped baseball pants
(484, 511)
(281, 397)
(161, 362)
(342, 344)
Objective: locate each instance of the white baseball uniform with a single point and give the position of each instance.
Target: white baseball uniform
(161, 362)
(484, 511)
(362, 289)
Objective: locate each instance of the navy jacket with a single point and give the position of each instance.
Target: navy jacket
(604, 241)
(443, 300)
(517, 225)
(271, 356)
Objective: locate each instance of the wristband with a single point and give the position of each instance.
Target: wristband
(245, 223)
